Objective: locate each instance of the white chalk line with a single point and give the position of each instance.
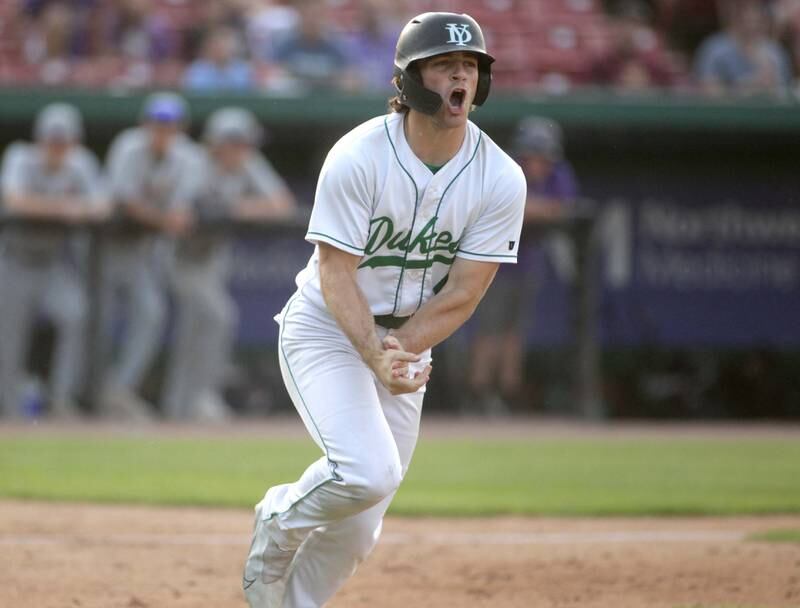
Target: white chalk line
(395, 538)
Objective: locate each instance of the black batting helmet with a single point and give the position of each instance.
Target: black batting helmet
(433, 34)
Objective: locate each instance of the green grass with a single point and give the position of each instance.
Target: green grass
(448, 477)
(777, 536)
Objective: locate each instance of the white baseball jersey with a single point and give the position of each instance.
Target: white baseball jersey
(377, 200)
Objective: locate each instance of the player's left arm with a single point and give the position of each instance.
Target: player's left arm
(445, 312)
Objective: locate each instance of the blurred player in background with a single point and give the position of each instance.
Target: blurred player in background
(57, 181)
(497, 350)
(233, 181)
(148, 167)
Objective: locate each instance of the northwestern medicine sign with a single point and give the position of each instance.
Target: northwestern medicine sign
(724, 273)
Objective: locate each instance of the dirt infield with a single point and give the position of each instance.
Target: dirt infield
(59, 555)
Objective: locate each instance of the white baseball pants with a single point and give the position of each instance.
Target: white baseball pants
(335, 510)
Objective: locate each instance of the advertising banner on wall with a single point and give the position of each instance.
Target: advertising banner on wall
(725, 273)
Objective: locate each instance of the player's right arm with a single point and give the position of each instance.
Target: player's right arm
(348, 305)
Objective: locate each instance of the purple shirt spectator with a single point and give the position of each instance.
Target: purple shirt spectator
(560, 185)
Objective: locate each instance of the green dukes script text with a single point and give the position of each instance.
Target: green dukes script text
(427, 241)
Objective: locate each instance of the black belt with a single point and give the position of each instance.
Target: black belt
(390, 321)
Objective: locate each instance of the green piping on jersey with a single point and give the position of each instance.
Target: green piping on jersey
(489, 255)
(328, 236)
(413, 219)
(436, 215)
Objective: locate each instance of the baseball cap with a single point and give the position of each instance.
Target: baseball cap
(232, 125)
(58, 122)
(539, 135)
(165, 107)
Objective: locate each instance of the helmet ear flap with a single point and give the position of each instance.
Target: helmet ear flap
(484, 85)
(413, 94)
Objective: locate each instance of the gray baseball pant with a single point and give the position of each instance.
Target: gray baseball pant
(132, 280)
(54, 290)
(206, 319)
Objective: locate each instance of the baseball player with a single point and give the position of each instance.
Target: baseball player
(233, 180)
(147, 168)
(413, 213)
(57, 180)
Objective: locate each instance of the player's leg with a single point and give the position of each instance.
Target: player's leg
(183, 350)
(512, 355)
(65, 303)
(336, 396)
(111, 281)
(206, 318)
(146, 312)
(495, 314)
(331, 554)
(128, 280)
(216, 345)
(18, 308)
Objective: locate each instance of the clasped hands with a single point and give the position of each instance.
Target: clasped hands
(392, 367)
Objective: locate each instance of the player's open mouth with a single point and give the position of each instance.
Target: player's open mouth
(456, 99)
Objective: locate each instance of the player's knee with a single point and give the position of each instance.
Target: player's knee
(376, 480)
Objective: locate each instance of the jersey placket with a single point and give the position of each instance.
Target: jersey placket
(418, 271)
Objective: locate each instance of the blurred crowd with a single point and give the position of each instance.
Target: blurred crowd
(716, 47)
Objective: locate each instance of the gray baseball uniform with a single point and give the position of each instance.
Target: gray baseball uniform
(206, 313)
(135, 262)
(39, 273)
